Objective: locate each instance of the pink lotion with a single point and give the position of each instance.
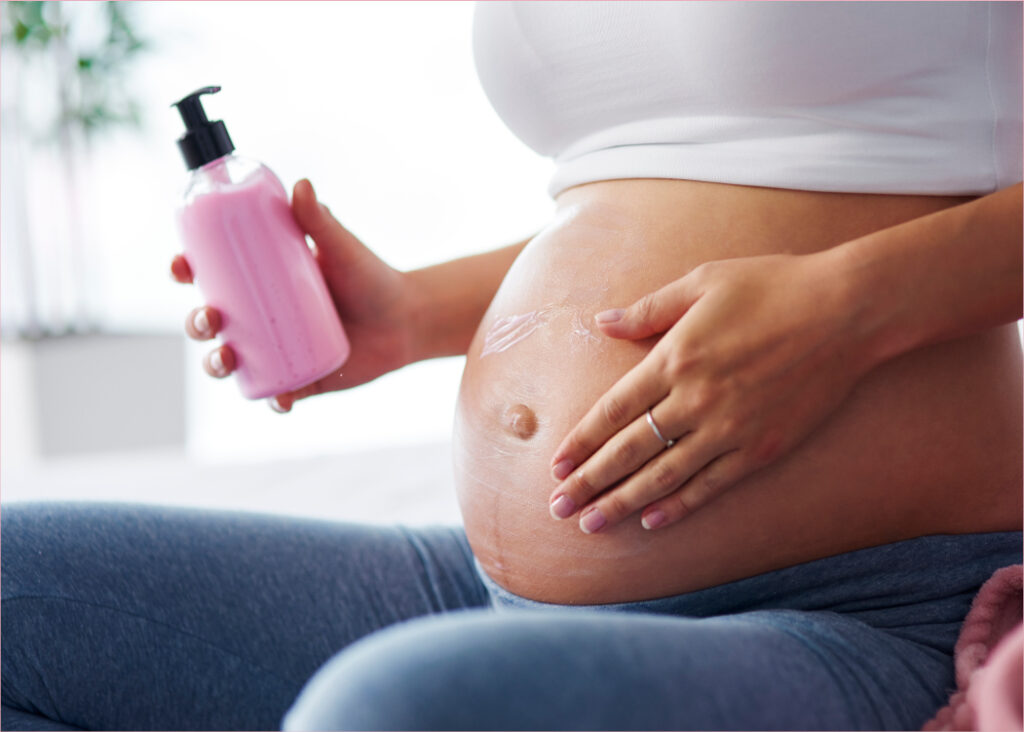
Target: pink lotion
(252, 264)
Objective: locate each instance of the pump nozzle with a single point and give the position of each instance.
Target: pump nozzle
(203, 141)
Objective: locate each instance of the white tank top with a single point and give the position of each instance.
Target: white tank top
(868, 97)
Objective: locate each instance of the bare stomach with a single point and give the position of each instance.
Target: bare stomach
(928, 443)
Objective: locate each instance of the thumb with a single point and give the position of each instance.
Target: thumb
(360, 282)
(309, 214)
(653, 313)
(336, 248)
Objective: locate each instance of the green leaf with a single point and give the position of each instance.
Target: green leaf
(99, 97)
(30, 27)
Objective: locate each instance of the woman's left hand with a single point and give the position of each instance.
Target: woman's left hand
(756, 353)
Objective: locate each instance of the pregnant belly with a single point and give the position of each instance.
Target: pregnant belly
(928, 443)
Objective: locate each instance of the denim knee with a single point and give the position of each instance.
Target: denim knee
(443, 672)
(557, 669)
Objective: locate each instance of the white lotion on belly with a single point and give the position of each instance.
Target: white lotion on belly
(510, 330)
(581, 333)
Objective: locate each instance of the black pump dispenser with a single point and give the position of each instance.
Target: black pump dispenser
(204, 141)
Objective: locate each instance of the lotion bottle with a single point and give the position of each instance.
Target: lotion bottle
(251, 262)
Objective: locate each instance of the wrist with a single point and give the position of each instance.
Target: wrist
(441, 313)
(889, 317)
(946, 275)
(419, 327)
(874, 307)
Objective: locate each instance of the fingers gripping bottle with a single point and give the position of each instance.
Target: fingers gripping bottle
(251, 262)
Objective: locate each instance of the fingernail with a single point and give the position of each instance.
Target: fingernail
(593, 520)
(277, 406)
(653, 519)
(562, 507)
(201, 322)
(562, 469)
(217, 362)
(610, 316)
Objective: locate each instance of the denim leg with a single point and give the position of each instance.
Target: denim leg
(858, 640)
(120, 617)
(532, 669)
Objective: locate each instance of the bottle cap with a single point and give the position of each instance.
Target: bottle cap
(204, 141)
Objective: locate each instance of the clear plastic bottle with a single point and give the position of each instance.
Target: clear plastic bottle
(251, 262)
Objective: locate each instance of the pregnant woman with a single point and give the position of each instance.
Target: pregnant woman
(739, 432)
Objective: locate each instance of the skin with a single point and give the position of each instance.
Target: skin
(927, 442)
(844, 305)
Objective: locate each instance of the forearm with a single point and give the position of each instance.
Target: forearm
(935, 278)
(451, 298)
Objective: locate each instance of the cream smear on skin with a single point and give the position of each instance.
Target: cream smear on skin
(580, 332)
(512, 329)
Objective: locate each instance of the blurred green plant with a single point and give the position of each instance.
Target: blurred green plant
(92, 94)
(72, 83)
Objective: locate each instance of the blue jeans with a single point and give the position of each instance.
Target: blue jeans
(120, 617)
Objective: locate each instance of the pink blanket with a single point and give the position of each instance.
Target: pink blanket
(989, 657)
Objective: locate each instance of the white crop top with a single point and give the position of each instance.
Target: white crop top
(869, 97)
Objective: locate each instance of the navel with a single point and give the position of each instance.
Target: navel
(520, 421)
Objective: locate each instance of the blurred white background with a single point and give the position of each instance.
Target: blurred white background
(376, 103)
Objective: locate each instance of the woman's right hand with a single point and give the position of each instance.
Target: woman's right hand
(373, 300)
